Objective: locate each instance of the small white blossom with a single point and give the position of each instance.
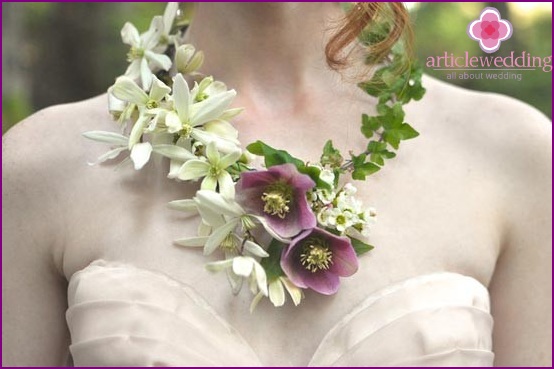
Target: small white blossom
(213, 170)
(142, 53)
(149, 105)
(244, 266)
(200, 121)
(340, 220)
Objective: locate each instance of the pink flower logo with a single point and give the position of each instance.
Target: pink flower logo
(490, 30)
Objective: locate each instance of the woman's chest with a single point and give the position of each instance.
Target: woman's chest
(424, 225)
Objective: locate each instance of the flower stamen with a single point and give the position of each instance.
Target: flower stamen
(186, 130)
(201, 96)
(277, 198)
(229, 243)
(247, 223)
(135, 53)
(152, 104)
(214, 171)
(316, 255)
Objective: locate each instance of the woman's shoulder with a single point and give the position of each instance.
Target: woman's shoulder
(50, 140)
(476, 110)
(60, 121)
(496, 127)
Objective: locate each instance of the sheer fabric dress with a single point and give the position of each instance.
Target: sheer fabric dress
(120, 315)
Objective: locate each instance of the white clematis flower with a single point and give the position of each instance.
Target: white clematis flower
(244, 266)
(276, 293)
(188, 118)
(140, 153)
(225, 216)
(213, 170)
(169, 16)
(127, 90)
(142, 53)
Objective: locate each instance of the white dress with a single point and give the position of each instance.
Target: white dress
(120, 315)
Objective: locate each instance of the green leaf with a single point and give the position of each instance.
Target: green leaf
(389, 78)
(272, 156)
(397, 115)
(272, 263)
(367, 131)
(408, 131)
(377, 158)
(385, 97)
(331, 156)
(358, 159)
(378, 32)
(370, 125)
(314, 173)
(360, 247)
(382, 109)
(393, 137)
(413, 88)
(373, 88)
(337, 172)
(363, 170)
(376, 146)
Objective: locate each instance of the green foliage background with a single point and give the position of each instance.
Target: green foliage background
(61, 52)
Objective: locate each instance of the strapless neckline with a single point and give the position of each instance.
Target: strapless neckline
(121, 314)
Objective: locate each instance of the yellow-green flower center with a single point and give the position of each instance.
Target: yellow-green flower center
(151, 104)
(135, 53)
(316, 255)
(341, 219)
(186, 130)
(229, 243)
(201, 96)
(164, 40)
(277, 198)
(214, 171)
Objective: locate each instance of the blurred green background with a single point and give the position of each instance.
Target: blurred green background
(61, 52)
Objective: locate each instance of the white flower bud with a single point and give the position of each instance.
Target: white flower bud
(187, 60)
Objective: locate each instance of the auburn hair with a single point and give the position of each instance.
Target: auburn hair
(363, 16)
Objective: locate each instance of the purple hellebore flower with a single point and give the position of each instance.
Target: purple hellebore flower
(279, 195)
(316, 259)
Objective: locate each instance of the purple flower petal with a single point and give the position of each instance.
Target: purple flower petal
(252, 186)
(324, 283)
(323, 278)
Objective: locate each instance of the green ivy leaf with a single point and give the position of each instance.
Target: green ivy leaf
(314, 173)
(408, 131)
(376, 146)
(363, 170)
(388, 77)
(358, 159)
(377, 159)
(272, 156)
(360, 247)
(373, 87)
(331, 156)
(393, 137)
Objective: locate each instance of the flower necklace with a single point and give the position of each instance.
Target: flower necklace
(287, 227)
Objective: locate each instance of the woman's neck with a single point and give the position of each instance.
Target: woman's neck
(252, 46)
